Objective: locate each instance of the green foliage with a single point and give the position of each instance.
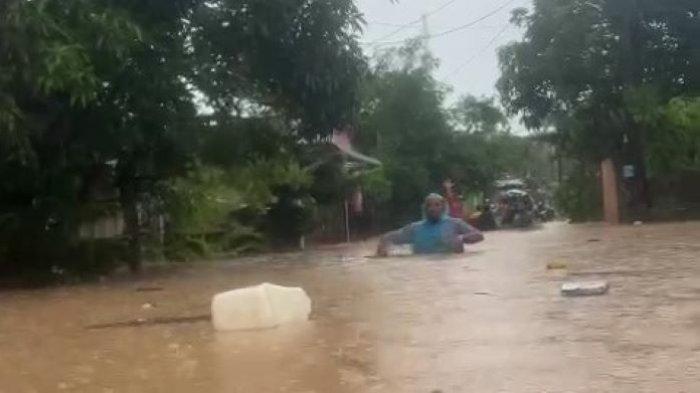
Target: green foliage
(673, 130)
(565, 73)
(479, 115)
(684, 116)
(97, 97)
(597, 74)
(201, 201)
(573, 59)
(37, 250)
(47, 49)
(579, 196)
(61, 36)
(376, 185)
(299, 57)
(204, 206)
(86, 85)
(405, 124)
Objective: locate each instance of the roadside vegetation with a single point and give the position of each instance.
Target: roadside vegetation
(135, 131)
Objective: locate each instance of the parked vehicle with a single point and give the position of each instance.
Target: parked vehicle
(514, 205)
(544, 212)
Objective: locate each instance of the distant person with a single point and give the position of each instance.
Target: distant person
(454, 203)
(486, 220)
(435, 234)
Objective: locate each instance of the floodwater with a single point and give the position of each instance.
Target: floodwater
(489, 321)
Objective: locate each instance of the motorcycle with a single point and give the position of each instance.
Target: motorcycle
(483, 219)
(544, 212)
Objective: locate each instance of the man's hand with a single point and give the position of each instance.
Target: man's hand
(472, 238)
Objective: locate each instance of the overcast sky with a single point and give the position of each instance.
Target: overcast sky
(468, 59)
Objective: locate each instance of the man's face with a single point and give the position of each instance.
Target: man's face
(434, 209)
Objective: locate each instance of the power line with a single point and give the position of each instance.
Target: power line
(378, 23)
(387, 24)
(415, 22)
(480, 52)
(454, 29)
(440, 8)
(470, 24)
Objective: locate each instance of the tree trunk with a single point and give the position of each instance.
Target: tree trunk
(611, 204)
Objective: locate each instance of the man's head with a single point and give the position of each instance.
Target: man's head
(434, 207)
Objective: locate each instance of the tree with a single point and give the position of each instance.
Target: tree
(479, 115)
(579, 61)
(292, 66)
(571, 59)
(299, 57)
(95, 90)
(674, 130)
(404, 125)
(482, 137)
(57, 62)
(421, 143)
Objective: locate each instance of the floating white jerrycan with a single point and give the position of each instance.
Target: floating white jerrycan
(261, 307)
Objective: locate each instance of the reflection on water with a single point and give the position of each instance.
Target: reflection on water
(488, 321)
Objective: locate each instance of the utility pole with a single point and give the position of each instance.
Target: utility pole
(425, 31)
(630, 39)
(630, 164)
(425, 34)
(634, 173)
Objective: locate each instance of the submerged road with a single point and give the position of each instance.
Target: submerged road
(488, 321)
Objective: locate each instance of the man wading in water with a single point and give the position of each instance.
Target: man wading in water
(436, 234)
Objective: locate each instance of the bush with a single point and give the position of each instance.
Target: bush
(35, 256)
(578, 197)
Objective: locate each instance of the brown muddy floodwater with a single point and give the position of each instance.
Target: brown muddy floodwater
(489, 321)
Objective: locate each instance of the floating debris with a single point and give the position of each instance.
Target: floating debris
(149, 289)
(151, 322)
(557, 265)
(591, 288)
(260, 307)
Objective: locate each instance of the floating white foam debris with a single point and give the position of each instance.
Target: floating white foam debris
(591, 288)
(259, 307)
